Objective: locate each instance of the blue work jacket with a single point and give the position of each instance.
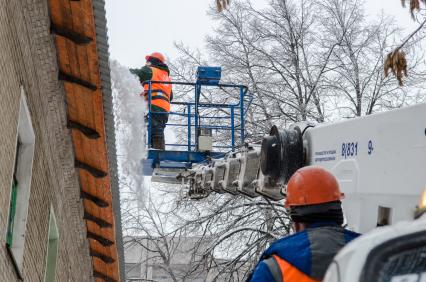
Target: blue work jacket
(310, 251)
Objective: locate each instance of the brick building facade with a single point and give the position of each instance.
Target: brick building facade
(37, 152)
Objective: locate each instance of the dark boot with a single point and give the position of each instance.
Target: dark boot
(158, 142)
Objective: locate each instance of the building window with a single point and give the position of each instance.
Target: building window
(52, 248)
(13, 196)
(133, 270)
(20, 186)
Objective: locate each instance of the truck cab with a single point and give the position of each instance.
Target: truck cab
(395, 253)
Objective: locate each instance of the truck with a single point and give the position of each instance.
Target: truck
(378, 160)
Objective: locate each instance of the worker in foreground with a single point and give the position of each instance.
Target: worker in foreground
(156, 69)
(313, 201)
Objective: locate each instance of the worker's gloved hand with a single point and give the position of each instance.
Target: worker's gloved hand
(146, 118)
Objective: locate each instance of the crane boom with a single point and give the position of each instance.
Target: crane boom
(379, 161)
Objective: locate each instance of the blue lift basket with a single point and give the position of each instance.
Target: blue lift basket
(182, 156)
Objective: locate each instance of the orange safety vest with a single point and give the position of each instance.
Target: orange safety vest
(160, 93)
(290, 273)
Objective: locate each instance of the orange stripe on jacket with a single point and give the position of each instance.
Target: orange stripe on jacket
(290, 273)
(159, 91)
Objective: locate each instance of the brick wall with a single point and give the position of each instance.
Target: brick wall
(28, 58)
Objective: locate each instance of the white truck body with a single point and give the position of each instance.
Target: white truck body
(350, 263)
(379, 161)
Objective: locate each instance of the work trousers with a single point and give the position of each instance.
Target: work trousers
(159, 121)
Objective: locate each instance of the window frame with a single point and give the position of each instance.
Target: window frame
(52, 242)
(380, 253)
(12, 212)
(22, 176)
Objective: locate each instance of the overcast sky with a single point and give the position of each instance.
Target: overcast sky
(139, 27)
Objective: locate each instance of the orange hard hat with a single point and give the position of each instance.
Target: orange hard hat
(156, 55)
(312, 185)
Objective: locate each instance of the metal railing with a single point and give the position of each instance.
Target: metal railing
(192, 119)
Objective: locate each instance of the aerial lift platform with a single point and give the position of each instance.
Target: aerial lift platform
(202, 122)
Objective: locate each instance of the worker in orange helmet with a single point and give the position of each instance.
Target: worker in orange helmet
(156, 69)
(314, 204)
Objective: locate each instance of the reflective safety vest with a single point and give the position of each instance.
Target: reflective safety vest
(281, 270)
(160, 93)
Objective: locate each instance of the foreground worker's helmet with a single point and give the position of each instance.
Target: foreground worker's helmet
(312, 185)
(157, 56)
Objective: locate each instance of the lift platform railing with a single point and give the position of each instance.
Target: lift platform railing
(192, 118)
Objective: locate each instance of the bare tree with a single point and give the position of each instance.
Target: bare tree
(356, 78)
(227, 233)
(150, 228)
(296, 57)
(231, 47)
(239, 230)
